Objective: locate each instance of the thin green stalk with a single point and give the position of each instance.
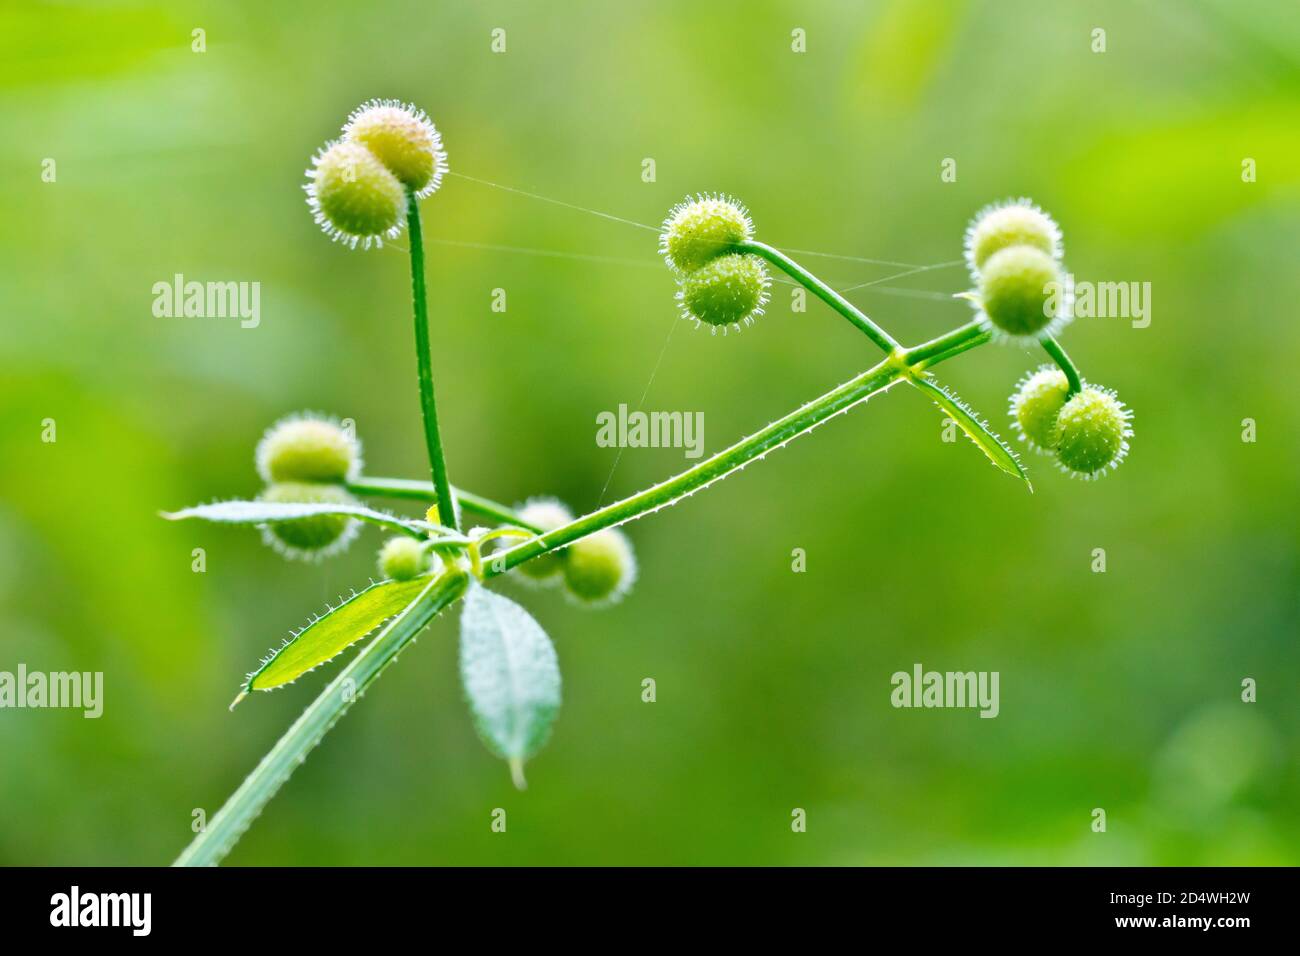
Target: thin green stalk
(407, 489)
(824, 292)
(225, 829)
(428, 407)
(230, 822)
(228, 825)
(959, 339)
(1053, 348)
(778, 433)
(954, 351)
(766, 439)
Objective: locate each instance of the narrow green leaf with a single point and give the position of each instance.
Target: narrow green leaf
(334, 631)
(511, 676)
(975, 429)
(228, 824)
(262, 512)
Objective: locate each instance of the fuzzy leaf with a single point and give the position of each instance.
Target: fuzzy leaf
(334, 631)
(262, 512)
(511, 676)
(975, 429)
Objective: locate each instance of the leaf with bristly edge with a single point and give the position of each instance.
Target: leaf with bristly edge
(975, 429)
(266, 512)
(333, 632)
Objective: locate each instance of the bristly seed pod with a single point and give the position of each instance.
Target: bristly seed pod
(1014, 223)
(308, 447)
(1092, 433)
(403, 558)
(547, 514)
(600, 568)
(309, 539)
(404, 139)
(700, 230)
(1024, 293)
(1035, 404)
(730, 290)
(354, 197)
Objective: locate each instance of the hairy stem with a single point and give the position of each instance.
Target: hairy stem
(1053, 348)
(712, 469)
(228, 825)
(404, 488)
(947, 345)
(428, 407)
(820, 289)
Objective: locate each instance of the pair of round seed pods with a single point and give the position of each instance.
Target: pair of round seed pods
(307, 459)
(1014, 252)
(716, 285)
(596, 570)
(357, 186)
(1022, 292)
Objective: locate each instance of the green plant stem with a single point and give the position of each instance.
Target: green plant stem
(712, 469)
(428, 406)
(406, 489)
(778, 433)
(954, 351)
(228, 825)
(824, 292)
(234, 818)
(947, 345)
(1053, 348)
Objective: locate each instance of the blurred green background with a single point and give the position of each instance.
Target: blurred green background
(1118, 690)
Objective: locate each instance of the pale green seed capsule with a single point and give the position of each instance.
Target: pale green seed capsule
(308, 447)
(730, 290)
(600, 569)
(700, 230)
(354, 198)
(1023, 292)
(313, 538)
(403, 139)
(403, 558)
(547, 514)
(1092, 433)
(1036, 403)
(1015, 223)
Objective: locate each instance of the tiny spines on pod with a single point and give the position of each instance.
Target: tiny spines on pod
(403, 139)
(546, 514)
(1035, 404)
(701, 229)
(600, 568)
(1017, 222)
(729, 290)
(1092, 433)
(308, 447)
(315, 537)
(403, 558)
(354, 198)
